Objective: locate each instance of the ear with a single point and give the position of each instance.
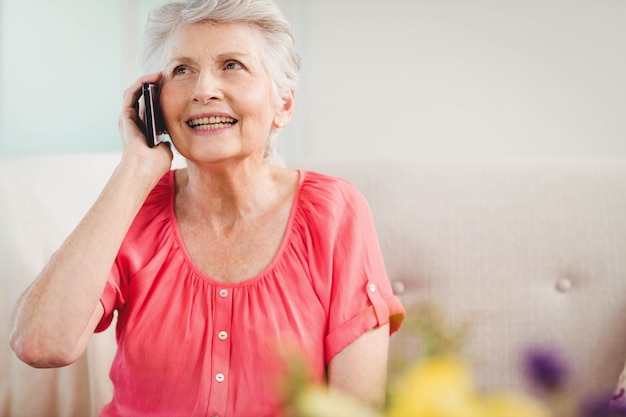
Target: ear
(285, 111)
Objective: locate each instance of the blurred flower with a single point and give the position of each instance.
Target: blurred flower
(601, 406)
(513, 405)
(442, 386)
(546, 368)
(317, 401)
(436, 387)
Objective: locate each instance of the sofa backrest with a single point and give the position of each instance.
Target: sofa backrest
(527, 252)
(42, 198)
(530, 253)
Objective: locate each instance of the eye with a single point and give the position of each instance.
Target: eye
(180, 70)
(231, 65)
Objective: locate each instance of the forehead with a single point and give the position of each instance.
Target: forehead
(212, 39)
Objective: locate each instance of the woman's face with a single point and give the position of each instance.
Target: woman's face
(216, 95)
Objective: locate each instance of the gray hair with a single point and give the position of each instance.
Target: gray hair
(283, 63)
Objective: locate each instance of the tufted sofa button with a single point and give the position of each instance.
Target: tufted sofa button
(398, 287)
(563, 285)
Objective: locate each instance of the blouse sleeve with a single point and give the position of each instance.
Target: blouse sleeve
(361, 297)
(139, 245)
(112, 298)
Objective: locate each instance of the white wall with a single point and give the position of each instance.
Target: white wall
(462, 78)
(394, 78)
(64, 65)
(56, 59)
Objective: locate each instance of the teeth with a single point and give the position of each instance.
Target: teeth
(213, 122)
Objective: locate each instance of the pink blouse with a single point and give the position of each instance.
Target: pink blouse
(189, 345)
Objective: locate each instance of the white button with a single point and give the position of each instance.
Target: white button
(372, 287)
(564, 285)
(222, 335)
(223, 293)
(398, 287)
(219, 377)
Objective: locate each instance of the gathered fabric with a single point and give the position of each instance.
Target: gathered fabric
(189, 345)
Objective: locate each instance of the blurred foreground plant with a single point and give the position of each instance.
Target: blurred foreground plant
(442, 386)
(549, 372)
(440, 383)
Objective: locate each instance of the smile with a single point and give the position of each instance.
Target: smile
(211, 123)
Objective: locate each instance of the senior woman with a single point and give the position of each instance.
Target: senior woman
(218, 271)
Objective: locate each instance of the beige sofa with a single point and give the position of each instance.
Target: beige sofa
(530, 252)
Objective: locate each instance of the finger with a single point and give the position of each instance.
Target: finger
(131, 105)
(133, 92)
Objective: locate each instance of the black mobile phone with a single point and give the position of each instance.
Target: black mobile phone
(152, 116)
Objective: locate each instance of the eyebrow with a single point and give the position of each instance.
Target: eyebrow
(234, 54)
(222, 56)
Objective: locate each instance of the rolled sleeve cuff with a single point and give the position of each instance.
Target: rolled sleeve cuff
(108, 299)
(381, 311)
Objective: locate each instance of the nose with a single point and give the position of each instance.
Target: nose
(207, 88)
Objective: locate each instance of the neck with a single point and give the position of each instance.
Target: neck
(223, 195)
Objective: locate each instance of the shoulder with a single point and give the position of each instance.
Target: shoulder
(333, 202)
(157, 206)
(328, 190)
(163, 192)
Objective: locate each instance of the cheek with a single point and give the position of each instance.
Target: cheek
(260, 101)
(171, 101)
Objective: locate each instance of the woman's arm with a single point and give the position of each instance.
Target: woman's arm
(360, 369)
(53, 320)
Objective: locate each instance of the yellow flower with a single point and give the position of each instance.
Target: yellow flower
(318, 401)
(437, 387)
(513, 405)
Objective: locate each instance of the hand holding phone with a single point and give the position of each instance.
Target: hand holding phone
(152, 115)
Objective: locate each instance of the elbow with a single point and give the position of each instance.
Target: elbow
(38, 354)
(39, 347)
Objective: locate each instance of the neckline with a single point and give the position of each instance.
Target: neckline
(295, 205)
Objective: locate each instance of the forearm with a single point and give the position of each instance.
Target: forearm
(53, 319)
(360, 369)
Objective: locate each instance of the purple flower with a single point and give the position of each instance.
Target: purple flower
(602, 407)
(546, 368)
